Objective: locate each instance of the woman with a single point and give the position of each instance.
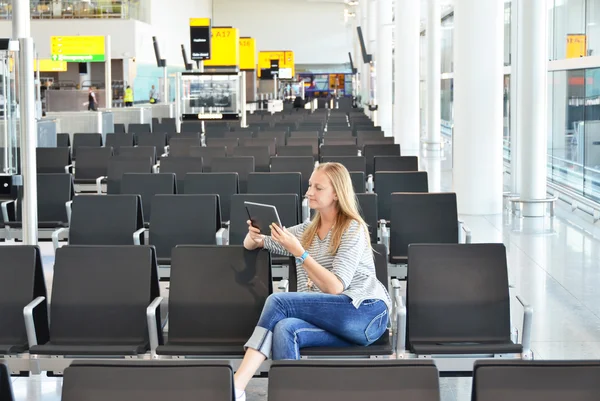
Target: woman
(92, 103)
(339, 301)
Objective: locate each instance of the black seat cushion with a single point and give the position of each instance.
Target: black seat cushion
(383, 346)
(11, 349)
(89, 350)
(465, 348)
(521, 380)
(148, 380)
(41, 224)
(233, 350)
(353, 380)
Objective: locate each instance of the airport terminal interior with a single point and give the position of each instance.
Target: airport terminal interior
(137, 136)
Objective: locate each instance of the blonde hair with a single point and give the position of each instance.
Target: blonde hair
(347, 206)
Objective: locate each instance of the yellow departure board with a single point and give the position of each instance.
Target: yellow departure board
(285, 57)
(79, 49)
(247, 54)
(225, 44)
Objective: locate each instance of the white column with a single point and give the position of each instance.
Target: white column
(532, 64)
(433, 82)
(514, 111)
(406, 77)
(372, 48)
(365, 76)
(108, 73)
(21, 14)
(385, 86)
(356, 53)
(478, 94)
(28, 123)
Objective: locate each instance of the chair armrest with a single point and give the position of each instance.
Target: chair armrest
(396, 287)
(99, 184)
(400, 326)
(29, 321)
(69, 168)
(56, 236)
(462, 226)
(69, 207)
(155, 168)
(370, 184)
(137, 236)
(222, 236)
(305, 210)
(385, 235)
(527, 325)
(4, 206)
(284, 285)
(151, 320)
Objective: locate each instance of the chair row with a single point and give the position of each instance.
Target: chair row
(95, 160)
(396, 217)
(216, 297)
(324, 381)
(179, 144)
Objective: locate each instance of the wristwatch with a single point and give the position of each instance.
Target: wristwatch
(302, 258)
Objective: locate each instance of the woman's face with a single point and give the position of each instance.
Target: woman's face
(320, 194)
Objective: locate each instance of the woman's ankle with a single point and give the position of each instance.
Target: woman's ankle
(240, 395)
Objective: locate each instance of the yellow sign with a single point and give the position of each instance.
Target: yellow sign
(337, 81)
(576, 46)
(247, 54)
(199, 21)
(77, 48)
(225, 43)
(47, 65)
(285, 57)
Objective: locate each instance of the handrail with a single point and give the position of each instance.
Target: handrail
(79, 9)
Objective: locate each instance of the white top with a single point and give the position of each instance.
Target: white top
(353, 264)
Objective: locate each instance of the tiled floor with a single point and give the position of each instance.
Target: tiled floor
(555, 265)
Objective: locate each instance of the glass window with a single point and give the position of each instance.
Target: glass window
(569, 19)
(447, 51)
(506, 119)
(591, 142)
(593, 27)
(447, 101)
(565, 153)
(507, 33)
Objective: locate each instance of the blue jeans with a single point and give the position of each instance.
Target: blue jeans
(291, 321)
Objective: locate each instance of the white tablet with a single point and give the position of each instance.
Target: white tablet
(262, 216)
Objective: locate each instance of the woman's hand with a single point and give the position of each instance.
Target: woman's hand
(286, 240)
(254, 239)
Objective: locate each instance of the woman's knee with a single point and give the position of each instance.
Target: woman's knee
(284, 338)
(273, 301)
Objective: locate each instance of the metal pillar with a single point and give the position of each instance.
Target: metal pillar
(107, 72)
(514, 111)
(243, 123)
(178, 95)
(365, 68)
(532, 62)
(21, 15)
(372, 46)
(478, 57)
(407, 119)
(28, 131)
(434, 67)
(385, 85)
(38, 89)
(165, 85)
